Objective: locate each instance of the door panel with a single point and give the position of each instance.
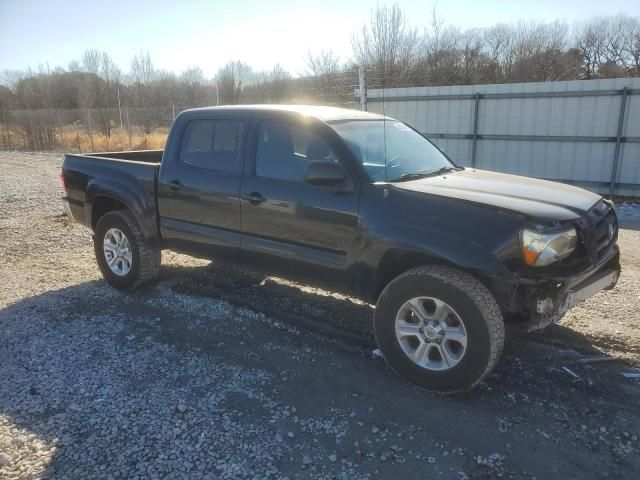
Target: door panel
(198, 191)
(180, 231)
(315, 217)
(302, 230)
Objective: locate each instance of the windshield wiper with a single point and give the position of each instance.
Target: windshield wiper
(430, 173)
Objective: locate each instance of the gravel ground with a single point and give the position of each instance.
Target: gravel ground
(216, 373)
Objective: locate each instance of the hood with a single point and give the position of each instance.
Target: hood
(540, 199)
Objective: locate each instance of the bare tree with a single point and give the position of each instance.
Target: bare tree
(142, 69)
(628, 43)
(539, 53)
(277, 84)
(143, 75)
(632, 47)
(268, 87)
(193, 85)
(386, 46)
(323, 70)
(325, 62)
(100, 89)
(437, 36)
(609, 46)
(230, 81)
(450, 56)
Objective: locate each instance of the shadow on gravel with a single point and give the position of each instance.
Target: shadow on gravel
(336, 316)
(102, 373)
(350, 322)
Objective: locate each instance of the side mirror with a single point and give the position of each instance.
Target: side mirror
(322, 172)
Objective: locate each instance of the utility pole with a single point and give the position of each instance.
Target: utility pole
(6, 126)
(217, 95)
(363, 90)
(121, 126)
(93, 149)
(126, 110)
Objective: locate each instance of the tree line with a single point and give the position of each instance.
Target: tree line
(92, 91)
(400, 55)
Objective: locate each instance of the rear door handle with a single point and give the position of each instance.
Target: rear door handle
(255, 198)
(175, 185)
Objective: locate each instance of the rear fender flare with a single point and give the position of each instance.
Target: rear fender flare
(140, 206)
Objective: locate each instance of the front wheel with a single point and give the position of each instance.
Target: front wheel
(439, 328)
(125, 259)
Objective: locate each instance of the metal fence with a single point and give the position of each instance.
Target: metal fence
(583, 132)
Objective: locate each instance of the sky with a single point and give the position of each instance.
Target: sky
(181, 34)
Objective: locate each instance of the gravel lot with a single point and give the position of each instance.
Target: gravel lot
(215, 373)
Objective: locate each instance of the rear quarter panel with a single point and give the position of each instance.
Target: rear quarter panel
(132, 183)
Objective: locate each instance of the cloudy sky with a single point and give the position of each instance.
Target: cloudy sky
(179, 34)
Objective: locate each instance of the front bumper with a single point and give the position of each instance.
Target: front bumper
(537, 302)
(554, 299)
(604, 281)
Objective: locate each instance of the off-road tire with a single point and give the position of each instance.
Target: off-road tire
(145, 265)
(476, 307)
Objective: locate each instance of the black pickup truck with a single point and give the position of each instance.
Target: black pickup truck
(360, 203)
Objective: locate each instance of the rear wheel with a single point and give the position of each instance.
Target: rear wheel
(439, 327)
(125, 259)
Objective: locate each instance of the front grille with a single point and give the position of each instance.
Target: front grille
(602, 230)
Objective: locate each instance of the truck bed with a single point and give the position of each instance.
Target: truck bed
(126, 177)
(145, 156)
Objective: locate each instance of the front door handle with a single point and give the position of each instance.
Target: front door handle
(175, 185)
(255, 198)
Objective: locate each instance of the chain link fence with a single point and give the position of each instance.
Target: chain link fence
(83, 130)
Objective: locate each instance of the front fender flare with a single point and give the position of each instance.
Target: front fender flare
(429, 244)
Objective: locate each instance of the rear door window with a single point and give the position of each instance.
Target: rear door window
(213, 144)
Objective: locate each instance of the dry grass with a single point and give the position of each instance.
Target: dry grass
(119, 140)
(70, 139)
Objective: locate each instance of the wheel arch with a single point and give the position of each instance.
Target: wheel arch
(417, 247)
(396, 261)
(106, 196)
(103, 204)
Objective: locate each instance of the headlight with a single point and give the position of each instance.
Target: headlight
(543, 249)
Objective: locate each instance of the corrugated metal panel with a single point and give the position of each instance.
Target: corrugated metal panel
(593, 118)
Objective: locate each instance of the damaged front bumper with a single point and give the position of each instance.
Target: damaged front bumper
(543, 301)
(550, 309)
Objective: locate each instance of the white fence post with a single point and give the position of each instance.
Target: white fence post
(363, 89)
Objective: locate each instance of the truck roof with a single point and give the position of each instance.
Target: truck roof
(322, 113)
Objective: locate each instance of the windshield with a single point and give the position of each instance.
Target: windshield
(389, 150)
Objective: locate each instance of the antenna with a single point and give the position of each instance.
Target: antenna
(384, 125)
(121, 126)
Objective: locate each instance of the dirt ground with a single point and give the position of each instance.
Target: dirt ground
(216, 373)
